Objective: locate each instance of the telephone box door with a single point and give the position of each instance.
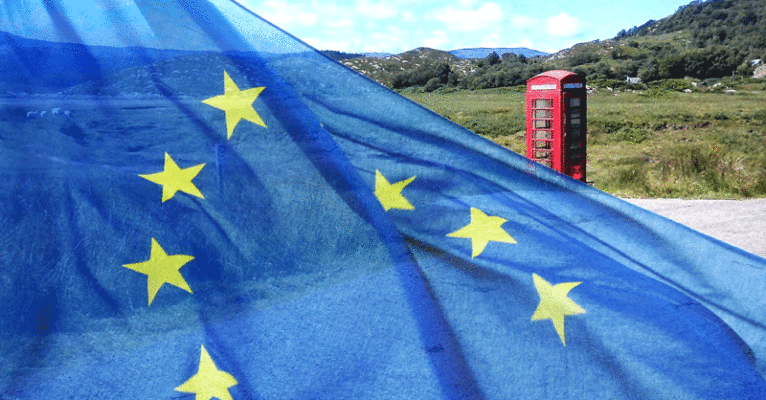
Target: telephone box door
(575, 134)
(542, 138)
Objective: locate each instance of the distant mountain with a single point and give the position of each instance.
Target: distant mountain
(384, 70)
(378, 55)
(340, 56)
(189, 75)
(36, 65)
(483, 52)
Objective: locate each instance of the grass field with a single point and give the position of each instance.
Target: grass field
(705, 144)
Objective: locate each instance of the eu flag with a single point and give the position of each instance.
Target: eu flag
(195, 204)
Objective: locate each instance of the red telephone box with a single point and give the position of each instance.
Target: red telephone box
(556, 121)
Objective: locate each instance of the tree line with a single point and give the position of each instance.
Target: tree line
(650, 62)
(490, 72)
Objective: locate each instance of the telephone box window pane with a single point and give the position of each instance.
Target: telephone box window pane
(574, 114)
(575, 145)
(547, 163)
(574, 123)
(542, 154)
(544, 103)
(543, 114)
(575, 102)
(542, 134)
(542, 144)
(543, 123)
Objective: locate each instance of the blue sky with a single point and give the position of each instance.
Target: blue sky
(395, 26)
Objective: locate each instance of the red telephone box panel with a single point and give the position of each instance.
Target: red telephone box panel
(556, 121)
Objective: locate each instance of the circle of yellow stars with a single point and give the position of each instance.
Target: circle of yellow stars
(210, 382)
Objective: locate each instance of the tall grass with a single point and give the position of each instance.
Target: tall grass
(704, 144)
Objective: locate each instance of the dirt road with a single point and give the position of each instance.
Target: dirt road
(741, 223)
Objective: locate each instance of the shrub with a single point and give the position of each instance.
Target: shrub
(655, 92)
(432, 84)
(446, 90)
(696, 169)
(758, 117)
(685, 160)
(673, 85)
(710, 82)
(634, 177)
(603, 83)
(632, 135)
(597, 125)
(718, 116)
(630, 177)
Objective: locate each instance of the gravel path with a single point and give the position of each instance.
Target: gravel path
(741, 223)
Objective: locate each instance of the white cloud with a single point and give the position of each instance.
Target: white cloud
(370, 26)
(314, 42)
(437, 40)
(522, 22)
(388, 37)
(523, 43)
(341, 23)
(409, 17)
(287, 15)
(394, 25)
(350, 46)
(472, 19)
(376, 10)
(563, 25)
(491, 40)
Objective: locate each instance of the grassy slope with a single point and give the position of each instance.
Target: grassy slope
(688, 145)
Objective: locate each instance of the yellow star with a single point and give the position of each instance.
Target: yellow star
(238, 104)
(390, 195)
(209, 381)
(482, 230)
(554, 303)
(173, 179)
(160, 269)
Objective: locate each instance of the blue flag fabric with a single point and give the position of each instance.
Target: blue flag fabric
(194, 203)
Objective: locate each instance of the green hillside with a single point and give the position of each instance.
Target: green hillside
(703, 40)
(736, 24)
(413, 68)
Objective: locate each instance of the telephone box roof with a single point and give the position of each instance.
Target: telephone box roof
(558, 74)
